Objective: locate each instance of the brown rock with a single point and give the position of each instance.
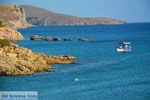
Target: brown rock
(9, 34)
(61, 59)
(15, 60)
(67, 39)
(56, 39)
(13, 16)
(18, 66)
(35, 37)
(82, 39)
(49, 38)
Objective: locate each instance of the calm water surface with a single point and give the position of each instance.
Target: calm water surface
(104, 74)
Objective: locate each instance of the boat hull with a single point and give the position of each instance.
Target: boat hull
(123, 50)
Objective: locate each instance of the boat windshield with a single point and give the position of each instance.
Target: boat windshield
(124, 45)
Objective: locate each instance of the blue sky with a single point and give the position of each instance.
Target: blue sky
(127, 10)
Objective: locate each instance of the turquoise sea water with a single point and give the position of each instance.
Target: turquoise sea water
(104, 74)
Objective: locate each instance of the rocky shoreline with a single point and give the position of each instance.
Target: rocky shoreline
(16, 60)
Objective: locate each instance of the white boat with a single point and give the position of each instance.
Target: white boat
(124, 47)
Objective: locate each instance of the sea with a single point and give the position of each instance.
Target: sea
(101, 73)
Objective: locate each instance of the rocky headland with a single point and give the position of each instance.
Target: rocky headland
(9, 34)
(23, 16)
(13, 16)
(40, 16)
(16, 60)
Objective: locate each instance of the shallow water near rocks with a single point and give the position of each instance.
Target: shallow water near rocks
(103, 73)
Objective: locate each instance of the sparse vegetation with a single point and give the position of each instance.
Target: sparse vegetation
(1, 24)
(4, 43)
(40, 16)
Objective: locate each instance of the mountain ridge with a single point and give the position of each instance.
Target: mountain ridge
(41, 16)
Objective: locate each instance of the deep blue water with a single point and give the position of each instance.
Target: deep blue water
(104, 74)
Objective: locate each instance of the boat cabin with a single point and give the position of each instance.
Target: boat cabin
(123, 46)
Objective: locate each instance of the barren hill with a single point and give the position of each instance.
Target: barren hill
(40, 16)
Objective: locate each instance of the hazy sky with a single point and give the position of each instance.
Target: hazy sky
(127, 10)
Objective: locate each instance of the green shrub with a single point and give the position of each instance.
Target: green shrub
(4, 43)
(1, 24)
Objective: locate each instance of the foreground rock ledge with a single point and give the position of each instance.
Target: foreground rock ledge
(15, 60)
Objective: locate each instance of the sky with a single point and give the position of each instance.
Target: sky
(126, 10)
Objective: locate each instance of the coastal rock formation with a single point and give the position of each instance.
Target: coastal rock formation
(35, 37)
(9, 34)
(39, 16)
(56, 39)
(13, 16)
(61, 59)
(49, 38)
(14, 66)
(86, 39)
(15, 60)
(67, 39)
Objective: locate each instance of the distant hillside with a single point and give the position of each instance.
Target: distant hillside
(39, 16)
(13, 16)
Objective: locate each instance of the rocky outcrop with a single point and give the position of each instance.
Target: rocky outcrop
(13, 16)
(61, 59)
(56, 39)
(9, 34)
(48, 38)
(67, 39)
(11, 66)
(15, 60)
(35, 37)
(39, 16)
(82, 39)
